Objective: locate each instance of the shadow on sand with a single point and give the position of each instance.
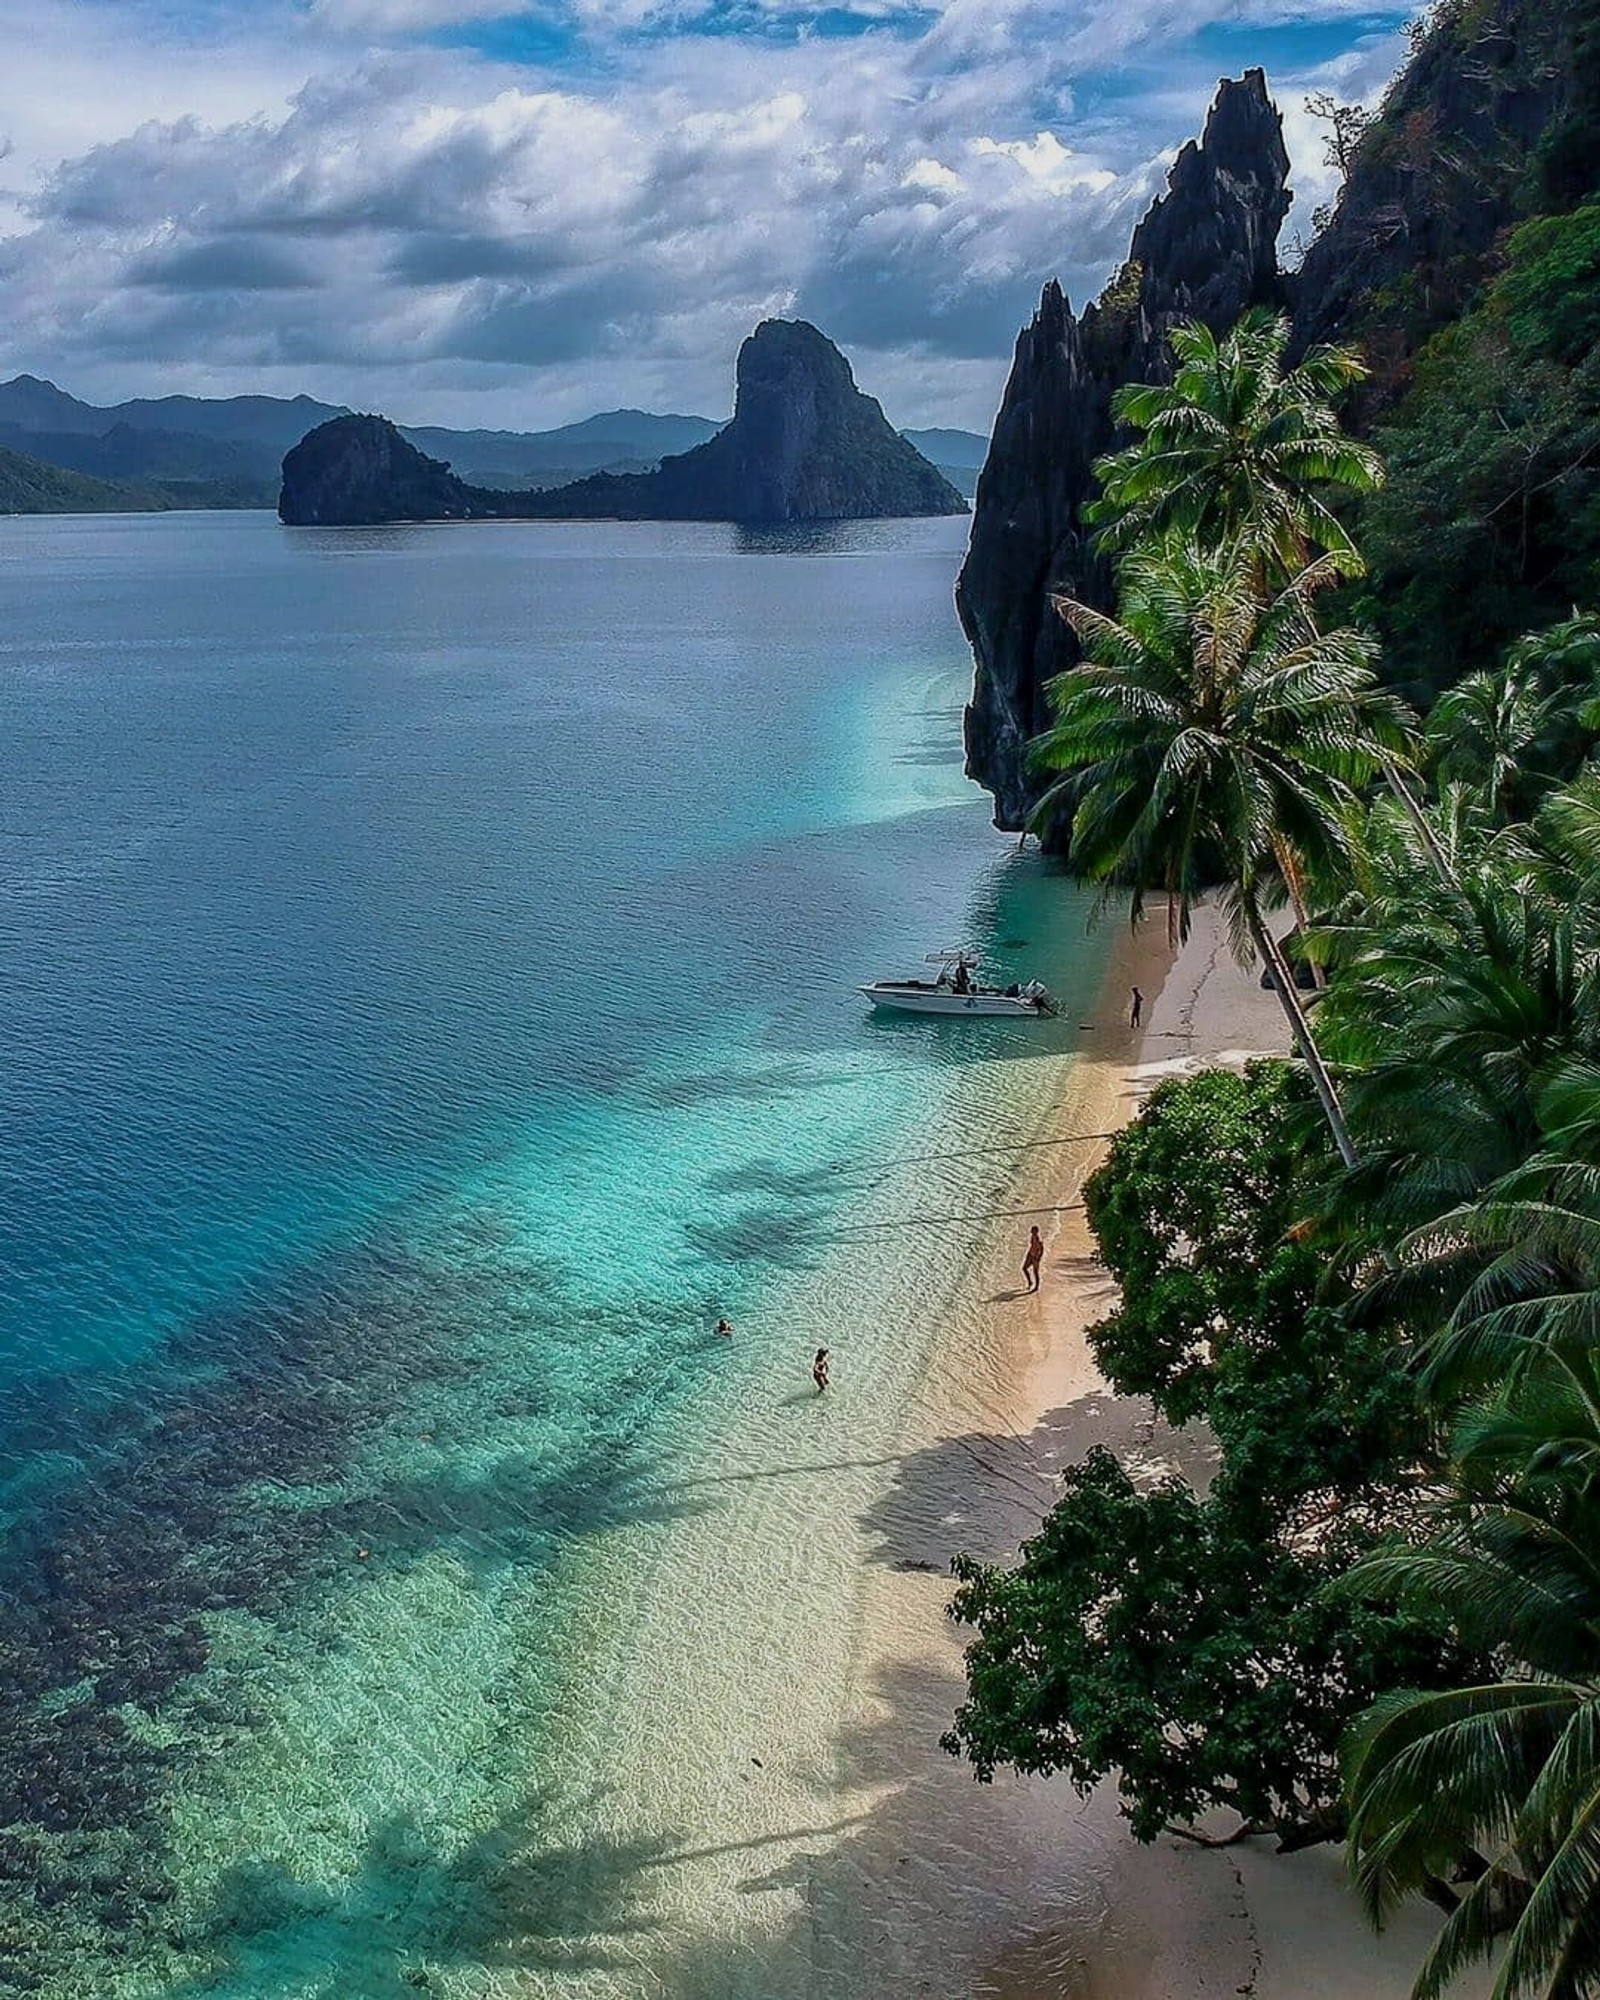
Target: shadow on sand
(869, 1887)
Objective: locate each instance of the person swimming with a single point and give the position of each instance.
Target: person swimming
(724, 1328)
(819, 1370)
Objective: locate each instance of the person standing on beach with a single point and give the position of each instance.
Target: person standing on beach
(1136, 1010)
(819, 1370)
(1033, 1259)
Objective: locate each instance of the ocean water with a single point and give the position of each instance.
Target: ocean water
(428, 962)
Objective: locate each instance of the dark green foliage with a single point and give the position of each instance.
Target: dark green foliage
(1152, 1634)
(1198, 1254)
(1569, 154)
(1458, 1000)
(1181, 1639)
(1490, 523)
(1503, 1774)
(28, 486)
(1551, 289)
(1511, 734)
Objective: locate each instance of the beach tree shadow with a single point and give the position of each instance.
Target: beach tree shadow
(982, 1493)
(522, 1895)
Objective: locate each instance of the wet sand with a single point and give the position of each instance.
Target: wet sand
(1038, 1895)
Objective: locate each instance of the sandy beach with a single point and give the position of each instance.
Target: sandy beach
(1057, 1902)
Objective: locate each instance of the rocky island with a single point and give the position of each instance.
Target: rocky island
(805, 444)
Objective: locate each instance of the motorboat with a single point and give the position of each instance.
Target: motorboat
(958, 990)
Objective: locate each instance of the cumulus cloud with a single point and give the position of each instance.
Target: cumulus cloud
(437, 229)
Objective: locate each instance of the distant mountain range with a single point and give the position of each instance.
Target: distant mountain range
(196, 451)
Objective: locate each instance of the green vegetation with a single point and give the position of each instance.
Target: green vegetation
(1179, 1639)
(1490, 523)
(1503, 1770)
(28, 486)
(1215, 738)
(1379, 1619)
(1235, 440)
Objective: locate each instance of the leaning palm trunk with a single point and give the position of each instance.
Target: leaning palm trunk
(1300, 1028)
(1419, 821)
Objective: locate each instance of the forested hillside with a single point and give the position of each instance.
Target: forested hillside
(1464, 259)
(28, 486)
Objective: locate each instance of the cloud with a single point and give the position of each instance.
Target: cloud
(228, 264)
(444, 232)
(409, 17)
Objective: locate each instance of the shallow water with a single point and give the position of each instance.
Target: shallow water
(429, 962)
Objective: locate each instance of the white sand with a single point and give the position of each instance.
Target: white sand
(758, 1804)
(1030, 1892)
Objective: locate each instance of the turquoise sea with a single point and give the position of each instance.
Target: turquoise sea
(427, 960)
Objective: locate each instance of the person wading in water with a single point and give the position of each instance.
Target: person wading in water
(819, 1370)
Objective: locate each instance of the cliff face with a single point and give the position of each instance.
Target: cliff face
(804, 445)
(1207, 250)
(1499, 92)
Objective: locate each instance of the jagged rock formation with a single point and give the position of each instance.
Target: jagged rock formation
(804, 445)
(1206, 250)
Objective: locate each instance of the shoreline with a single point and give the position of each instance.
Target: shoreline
(1057, 1901)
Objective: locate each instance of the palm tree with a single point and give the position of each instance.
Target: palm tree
(1499, 1781)
(1517, 730)
(1523, 1260)
(1458, 997)
(1484, 730)
(1235, 444)
(1468, 1023)
(1211, 740)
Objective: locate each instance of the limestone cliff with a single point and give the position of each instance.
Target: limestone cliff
(1497, 95)
(804, 445)
(1206, 250)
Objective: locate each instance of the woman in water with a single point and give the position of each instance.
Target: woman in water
(819, 1370)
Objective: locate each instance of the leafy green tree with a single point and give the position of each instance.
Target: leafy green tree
(1202, 1258)
(1237, 445)
(1181, 1639)
(1213, 742)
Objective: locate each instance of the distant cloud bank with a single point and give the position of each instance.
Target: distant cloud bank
(474, 211)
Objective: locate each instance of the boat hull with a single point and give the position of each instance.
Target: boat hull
(905, 999)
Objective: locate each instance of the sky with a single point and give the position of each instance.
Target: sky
(513, 213)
